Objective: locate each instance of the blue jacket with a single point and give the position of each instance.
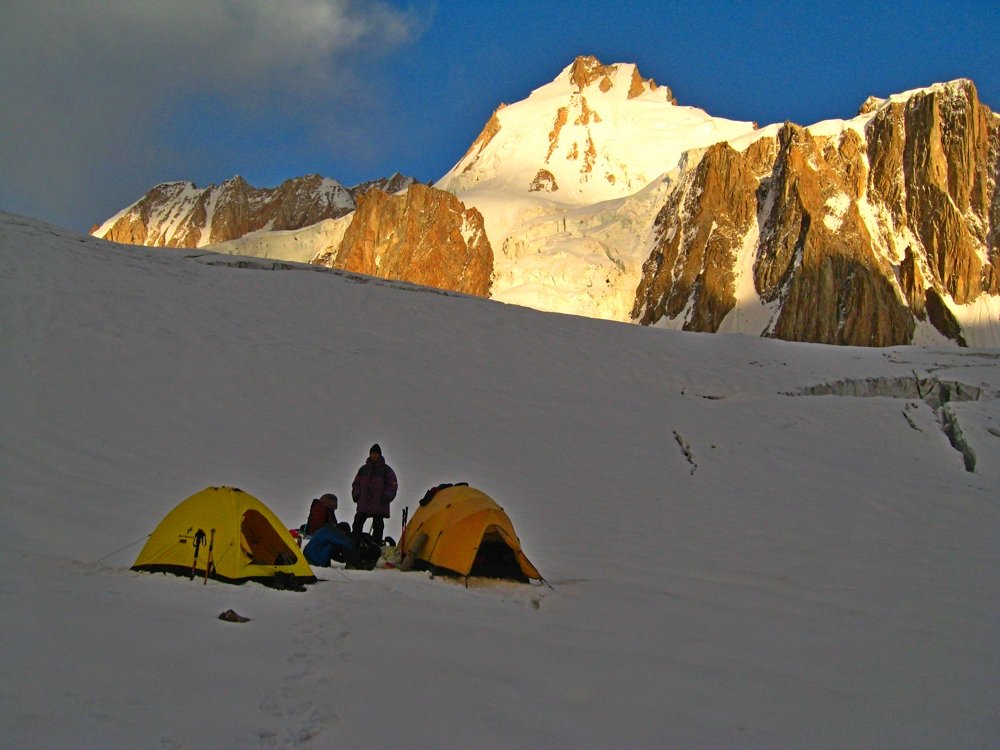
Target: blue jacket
(329, 543)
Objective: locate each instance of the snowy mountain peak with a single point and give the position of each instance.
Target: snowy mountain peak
(957, 87)
(597, 132)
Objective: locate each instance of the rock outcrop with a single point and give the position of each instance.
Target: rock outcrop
(544, 181)
(179, 214)
(854, 236)
(587, 70)
(697, 230)
(933, 174)
(425, 236)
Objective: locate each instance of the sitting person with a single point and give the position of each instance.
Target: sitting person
(330, 542)
(323, 511)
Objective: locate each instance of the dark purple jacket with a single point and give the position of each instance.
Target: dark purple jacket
(374, 488)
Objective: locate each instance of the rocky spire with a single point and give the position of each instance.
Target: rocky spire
(587, 70)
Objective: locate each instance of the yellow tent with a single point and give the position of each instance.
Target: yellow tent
(462, 530)
(231, 534)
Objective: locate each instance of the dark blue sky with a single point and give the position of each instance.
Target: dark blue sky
(104, 100)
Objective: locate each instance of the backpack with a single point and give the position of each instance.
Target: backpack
(319, 514)
(429, 495)
(366, 553)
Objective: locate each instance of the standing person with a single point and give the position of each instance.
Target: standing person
(373, 489)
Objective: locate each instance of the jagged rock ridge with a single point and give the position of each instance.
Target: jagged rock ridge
(179, 214)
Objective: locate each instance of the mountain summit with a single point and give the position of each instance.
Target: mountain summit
(587, 70)
(597, 132)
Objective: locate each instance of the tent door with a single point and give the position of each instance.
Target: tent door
(262, 543)
(496, 559)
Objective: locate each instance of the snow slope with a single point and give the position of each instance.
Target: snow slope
(734, 563)
(297, 245)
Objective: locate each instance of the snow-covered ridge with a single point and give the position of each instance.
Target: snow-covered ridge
(182, 214)
(176, 193)
(549, 174)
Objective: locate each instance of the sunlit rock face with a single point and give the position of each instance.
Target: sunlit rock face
(179, 214)
(934, 169)
(698, 233)
(853, 235)
(425, 236)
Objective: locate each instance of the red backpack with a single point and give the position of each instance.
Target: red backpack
(318, 516)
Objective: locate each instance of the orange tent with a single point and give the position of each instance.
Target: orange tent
(462, 530)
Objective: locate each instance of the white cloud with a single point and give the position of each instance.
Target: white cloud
(88, 87)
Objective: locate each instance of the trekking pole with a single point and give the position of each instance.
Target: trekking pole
(199, 537)
(208, 565)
